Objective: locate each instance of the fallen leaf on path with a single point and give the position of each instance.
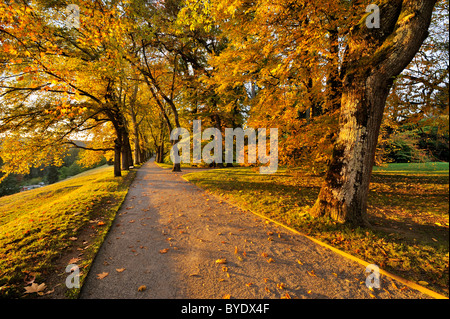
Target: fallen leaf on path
(163, 251)
(311, 273)
(249, 284)
(73, 238)
(286, 296)
(131, 221)
(120, 269)
(280, 285)
(102, 275)
(270, 260)
(34, 288)
(74, 260)
(227, 296)
(423, 283)
(299, 262)
(264, 254)
(221, 261)
(142, 288)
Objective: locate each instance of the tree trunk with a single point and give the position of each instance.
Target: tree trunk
(117, 151)
(344, 194)
(137, 148)
(375, 57)
(218, 124)
(176, 166)
(127, 158)
(333, 92)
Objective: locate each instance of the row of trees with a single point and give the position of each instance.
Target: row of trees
(133, 70)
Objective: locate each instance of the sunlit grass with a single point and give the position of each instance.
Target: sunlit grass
(36, 225)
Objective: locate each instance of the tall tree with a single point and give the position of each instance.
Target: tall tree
(375, 57)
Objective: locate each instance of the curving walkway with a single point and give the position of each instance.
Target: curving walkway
(172, 237)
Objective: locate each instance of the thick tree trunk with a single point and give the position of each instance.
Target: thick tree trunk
(375, 57)
(344, 194)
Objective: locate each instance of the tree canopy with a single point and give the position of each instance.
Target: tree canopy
(124, 73)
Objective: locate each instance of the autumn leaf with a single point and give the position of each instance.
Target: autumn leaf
(74, 260)
(311, 273)
(102, 275)
(34, 288)
(221, 261)
(142, 288)
(280, 285)
(286, 296)
(163, 251)
(120, 269)
(226, 296)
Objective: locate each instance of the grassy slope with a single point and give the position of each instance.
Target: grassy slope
(37, 226)
(409, 214)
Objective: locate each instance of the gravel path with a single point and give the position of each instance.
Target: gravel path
(169, 236)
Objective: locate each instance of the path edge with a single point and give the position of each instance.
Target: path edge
(402, 280)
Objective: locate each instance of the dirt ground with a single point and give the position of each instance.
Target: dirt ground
(171, 239)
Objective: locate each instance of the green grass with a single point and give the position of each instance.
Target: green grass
(38, 226)
(440, 168)
(409, 214)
